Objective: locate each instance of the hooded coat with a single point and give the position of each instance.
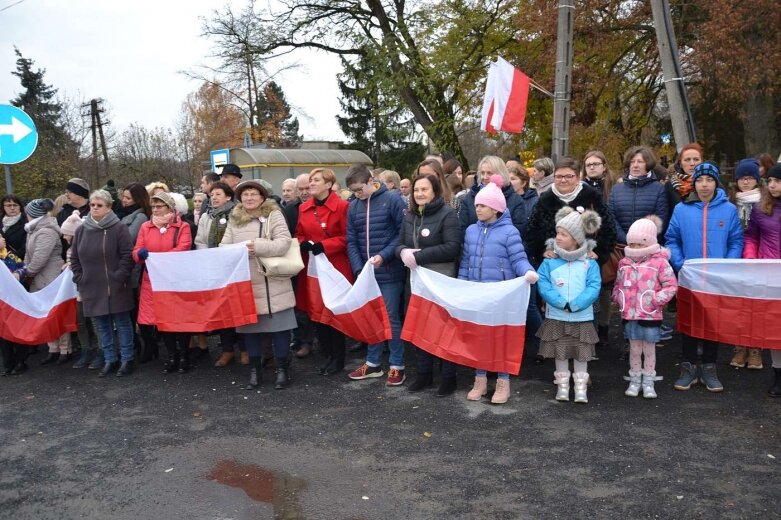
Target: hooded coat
(644, 286)
(515, 207)
(102, 261)
(763, 234)
(43, 255)
(272, 294)
(493, 252)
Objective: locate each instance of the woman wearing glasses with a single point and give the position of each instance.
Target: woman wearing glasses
(597, 173)
(101, 261)
(12, 229)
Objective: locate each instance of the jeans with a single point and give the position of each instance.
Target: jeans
(426, 364)
(391, 294)
(105, 326)
(279, 340)
(500, 375)
(533, 319)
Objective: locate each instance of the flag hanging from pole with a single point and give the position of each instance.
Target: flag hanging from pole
(356, 310)
(737, 302)
(505, 100)
(39, 317)
(203, 290)
(480, 325)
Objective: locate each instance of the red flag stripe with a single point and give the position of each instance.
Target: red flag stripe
(204, 311)
(515, 112)
(735, 320)
(18, 327)
(496, 348)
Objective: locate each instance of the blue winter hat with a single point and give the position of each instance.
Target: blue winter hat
(747, 168)
(706, 168)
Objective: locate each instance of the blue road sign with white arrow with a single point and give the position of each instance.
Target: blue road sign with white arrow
(18, 137)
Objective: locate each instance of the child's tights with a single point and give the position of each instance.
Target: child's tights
(645, 348)
(562, 365)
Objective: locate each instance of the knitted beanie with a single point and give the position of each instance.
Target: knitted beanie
(706, 168)
(71, 224)
(747, 168)
(39, 207)
(644, 231)
(491, 195)
(79, 187)
(774, 172)
(578, 223)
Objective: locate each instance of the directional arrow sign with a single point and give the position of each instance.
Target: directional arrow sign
(18, 137)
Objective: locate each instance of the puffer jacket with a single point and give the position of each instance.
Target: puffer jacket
(272, 294)
(380, 216)
(529, 198)
(763, 234)
(515, 207)
(644, 286)
(542, 224)
(576, 282)
(176, 238)
(634, 199)
(704, 230)
(134, 221)
(493, 252)
(43, 253)
(437, 233)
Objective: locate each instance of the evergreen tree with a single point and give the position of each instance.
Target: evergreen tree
(277, 126)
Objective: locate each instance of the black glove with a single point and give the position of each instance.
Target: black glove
(317, 248)
(306, 246)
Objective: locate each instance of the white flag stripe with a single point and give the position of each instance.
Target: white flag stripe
(341, 297)
(503, 85)
(759, 279)
(496, 303)
(488, 98)
(38, 304)
(201, 270)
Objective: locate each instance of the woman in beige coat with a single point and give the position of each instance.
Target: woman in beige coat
(257, 222)
(43, 258)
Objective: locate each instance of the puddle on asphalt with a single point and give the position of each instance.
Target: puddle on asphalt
(279, 489)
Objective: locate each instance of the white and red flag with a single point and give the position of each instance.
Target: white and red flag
(39, 317)
(480, 325)
(357, 310)
(203, 290)
(737, 302)
(506, 96)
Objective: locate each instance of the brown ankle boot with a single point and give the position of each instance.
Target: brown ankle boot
(225, 359)
(754, 359)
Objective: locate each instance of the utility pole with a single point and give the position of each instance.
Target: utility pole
(561, 96)
(680, 112)
(96, 126)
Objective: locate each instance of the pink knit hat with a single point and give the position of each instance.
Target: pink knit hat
(491, 195)
(643, 232)
(71, 224)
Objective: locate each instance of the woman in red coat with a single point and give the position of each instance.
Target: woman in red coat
(322, 229)
(164, 233)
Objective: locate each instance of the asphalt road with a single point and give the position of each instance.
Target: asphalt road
(198, 446)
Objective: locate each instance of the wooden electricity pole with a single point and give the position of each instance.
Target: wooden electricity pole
(562, 93)
(96, 126)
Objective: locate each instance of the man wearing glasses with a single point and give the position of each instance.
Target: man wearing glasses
(373, 222)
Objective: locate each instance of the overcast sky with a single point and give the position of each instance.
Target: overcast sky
(130, 54)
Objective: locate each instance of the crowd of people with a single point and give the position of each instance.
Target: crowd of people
(584, 238)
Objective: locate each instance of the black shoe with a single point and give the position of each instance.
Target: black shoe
(775, 390)
(51, 358)
(64, 358)
(603, 333)
(20, 368)
(125, 369)
(170, 366)
(149, 352)
(283, 374)
(336, 366)
(323, 370)
(254, 378)
(422, 381)
(539, 359)
(108, 368)
(446, 387)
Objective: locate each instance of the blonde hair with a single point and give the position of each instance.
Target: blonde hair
(152, 186)
(390, 175)
(497, 166)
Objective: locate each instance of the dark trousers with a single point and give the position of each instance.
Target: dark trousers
(710, 349)
(177, 344)
(13, 354)
(280, 343)
(331, 341)
(426, 364)
(229, 338)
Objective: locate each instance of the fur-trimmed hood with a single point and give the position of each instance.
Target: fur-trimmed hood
(240, 216)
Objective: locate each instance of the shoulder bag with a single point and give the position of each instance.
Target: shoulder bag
(285, 266)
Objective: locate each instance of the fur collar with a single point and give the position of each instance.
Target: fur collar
(240, 217)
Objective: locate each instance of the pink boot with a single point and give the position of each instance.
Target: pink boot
(502, 392)
(479, 389)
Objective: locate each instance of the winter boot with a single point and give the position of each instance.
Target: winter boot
(502, 391)
(689, 376)
(52, 357)
(282, 373)
(634, 384)
(562, 385)
(447, 387)
(108, 368)
(775, 390)
(184, 359)
(479, 389)
(84, 358)
(125, 369)
(98, 361)
(337, 360)
(422, 381)
(581, 384)
(255, 374)
(739, 359)
(172, 365)
(648, 385)
(754, 359)
(709, 378)
(149, 351)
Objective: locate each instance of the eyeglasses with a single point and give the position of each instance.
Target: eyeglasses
(358, 190)
(11, 205)
(159, 206)
(564, 177)
(92, 205)
(594, 164)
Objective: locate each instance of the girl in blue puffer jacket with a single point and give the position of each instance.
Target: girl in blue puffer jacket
(493, 251)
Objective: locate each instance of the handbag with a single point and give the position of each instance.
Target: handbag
(285, 266)
(609, 269)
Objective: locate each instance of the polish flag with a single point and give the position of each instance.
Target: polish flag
(737, 302)
(356, 310)
(506, 96)
(39, 317)
(203, 290)
(480, 325)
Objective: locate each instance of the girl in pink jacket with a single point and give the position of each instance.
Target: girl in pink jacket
(645, 282)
